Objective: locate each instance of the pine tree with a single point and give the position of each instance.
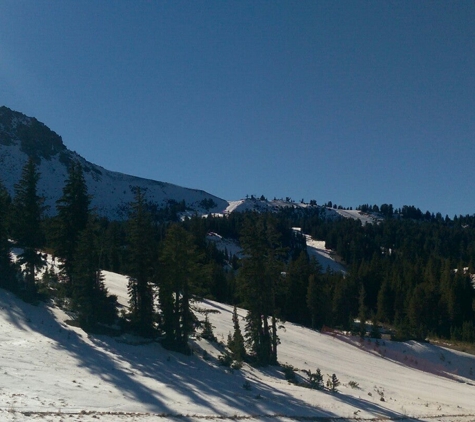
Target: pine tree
(7, 272)
(258, 283)
(141, 266)
(207, 332)
(362, 312)
(385, 303)
(333, 383)
(314, 379)
(236, 340)
(180, 275)
(296, 280)
(28, 233)
(315, 297)
(90, 299)
(72, 218)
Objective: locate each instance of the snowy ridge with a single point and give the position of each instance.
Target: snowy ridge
(22, 136)
(263, 205)
(111, 191)
(365, 218)
(52, 371)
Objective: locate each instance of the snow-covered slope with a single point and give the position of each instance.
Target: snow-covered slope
(364, 217)
(325, 257)
(51, 371)
(263, 205)
(22, 136)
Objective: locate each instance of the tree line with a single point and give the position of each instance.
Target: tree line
(408, 272)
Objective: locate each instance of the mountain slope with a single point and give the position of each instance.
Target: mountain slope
(22, 137)
(52, 371)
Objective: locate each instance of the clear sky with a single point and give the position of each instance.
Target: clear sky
(350, 101)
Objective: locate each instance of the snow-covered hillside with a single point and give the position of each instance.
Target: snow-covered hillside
(263, 205)
(52, 371)
(22, 136)
(364, 217)
(325, 257)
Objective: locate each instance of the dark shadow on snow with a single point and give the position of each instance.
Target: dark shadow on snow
(201, 382)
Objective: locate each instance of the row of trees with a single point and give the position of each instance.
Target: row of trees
(72, 236)
(412, 274)
(168, 265)
(170, 273)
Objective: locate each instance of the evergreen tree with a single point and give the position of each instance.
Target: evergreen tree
(207, 332)
(141, 270)
(362, 312)
(90, 299)
(236, 340)
(344, 300)
(258, 282)
(114, 239)
(180, 277)
(72, 218)
(27, 231)
(296, 282)
(315, 301)
(385, 303)
(7, 272)
(333, 383)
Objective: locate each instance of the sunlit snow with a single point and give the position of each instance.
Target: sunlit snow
(52, 371)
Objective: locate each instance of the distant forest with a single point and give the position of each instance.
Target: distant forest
(409, 272)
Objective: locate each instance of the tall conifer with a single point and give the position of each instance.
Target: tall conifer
(7, 276)
(258, 281)
(28, 208)
(236, 339)
(141, 271)
(180, 277)
(72, 218)
(89, 295)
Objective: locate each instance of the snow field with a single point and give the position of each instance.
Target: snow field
(52, 371)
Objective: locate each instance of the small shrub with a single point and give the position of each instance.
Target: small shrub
(354, 384)
(333, 383)
(247, 385)
(225, 360)
(314, 379)
(289, 373)
(207, 332)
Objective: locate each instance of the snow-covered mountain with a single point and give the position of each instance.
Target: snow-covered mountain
(22, 137)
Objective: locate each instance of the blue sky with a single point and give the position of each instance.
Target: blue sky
(350, 101)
